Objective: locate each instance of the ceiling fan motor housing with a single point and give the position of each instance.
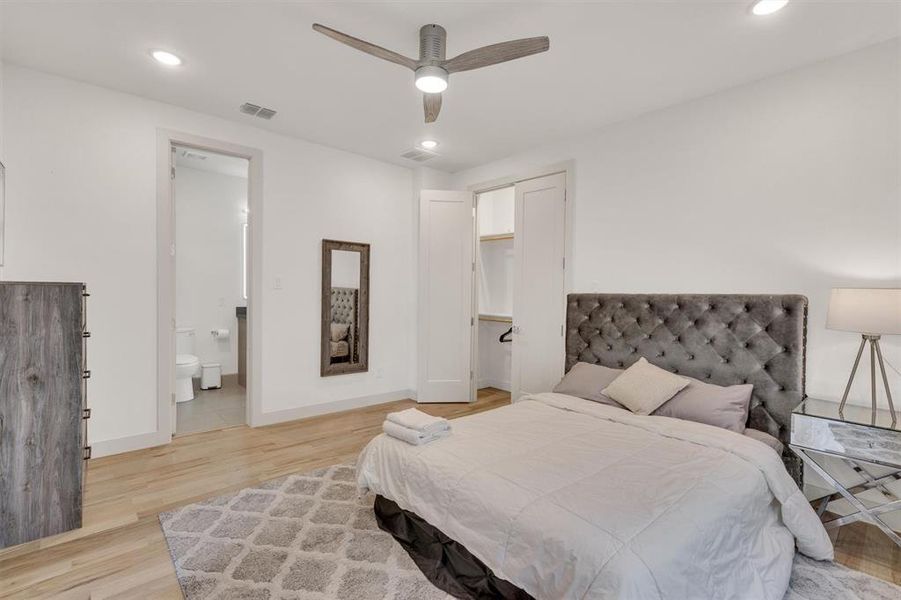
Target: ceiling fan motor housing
(432, 43)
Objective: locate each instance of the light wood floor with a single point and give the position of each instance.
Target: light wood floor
(121, 553)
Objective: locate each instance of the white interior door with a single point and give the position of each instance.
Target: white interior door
(446, 230)
(539, 299)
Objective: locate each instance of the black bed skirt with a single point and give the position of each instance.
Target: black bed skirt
(445, 562)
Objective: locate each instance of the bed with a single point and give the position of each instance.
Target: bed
(559, 497)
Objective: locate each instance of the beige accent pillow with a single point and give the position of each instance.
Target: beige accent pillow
(642, 388)
(339, 331)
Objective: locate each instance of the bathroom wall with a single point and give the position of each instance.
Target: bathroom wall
(209, 228)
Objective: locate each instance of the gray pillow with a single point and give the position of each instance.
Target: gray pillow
(725, 407)
(586, 381)
(766, 438)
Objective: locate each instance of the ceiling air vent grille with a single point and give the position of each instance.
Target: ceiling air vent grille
(257, 111)
(418, 154)
(266, 113)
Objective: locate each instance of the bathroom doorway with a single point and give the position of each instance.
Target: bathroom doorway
(210, 192)
(209, 212)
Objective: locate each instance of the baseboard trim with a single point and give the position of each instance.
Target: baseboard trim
(303, 412)
(127, 444)
(155, 438)
(495, 383)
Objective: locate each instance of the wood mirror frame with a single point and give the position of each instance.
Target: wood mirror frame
(361, 330)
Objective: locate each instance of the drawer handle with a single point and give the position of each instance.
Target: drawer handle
(86, 454)
(85, 334)
(86, 413)
(86, 374)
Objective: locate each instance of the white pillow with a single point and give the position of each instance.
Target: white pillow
(642, 388)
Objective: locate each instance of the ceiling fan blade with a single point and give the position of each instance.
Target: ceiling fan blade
(432, 105)
(366, 47)
(496, 53)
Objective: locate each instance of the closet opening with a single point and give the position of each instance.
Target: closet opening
(494, 288)
(519, 285)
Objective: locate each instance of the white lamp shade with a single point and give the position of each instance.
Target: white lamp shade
(875, 311)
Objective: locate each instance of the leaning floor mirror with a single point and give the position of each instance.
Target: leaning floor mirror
(345, 308)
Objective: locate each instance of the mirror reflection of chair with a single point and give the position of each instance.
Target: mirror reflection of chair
(343, 332)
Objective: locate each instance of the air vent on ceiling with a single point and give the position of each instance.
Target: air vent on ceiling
(266, 113)
(418, 154)
(257, 111)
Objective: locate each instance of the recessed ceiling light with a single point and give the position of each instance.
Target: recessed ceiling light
(429, 144)
(166, 58)
(762, 8)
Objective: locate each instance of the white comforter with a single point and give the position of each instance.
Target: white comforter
(567, 498)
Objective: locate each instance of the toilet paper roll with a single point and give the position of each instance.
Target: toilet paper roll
(220, 334)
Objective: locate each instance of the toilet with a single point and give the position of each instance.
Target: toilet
(187, 365)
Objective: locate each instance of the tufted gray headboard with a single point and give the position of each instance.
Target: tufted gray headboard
(721, 339)
(344, 310)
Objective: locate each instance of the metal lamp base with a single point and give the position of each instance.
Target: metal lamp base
(875, 353)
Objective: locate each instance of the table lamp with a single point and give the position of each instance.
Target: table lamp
(871, 312)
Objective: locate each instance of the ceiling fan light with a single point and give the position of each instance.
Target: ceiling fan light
(431, 79)
(762, 8)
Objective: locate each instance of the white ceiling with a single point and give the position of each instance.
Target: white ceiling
(608, 61)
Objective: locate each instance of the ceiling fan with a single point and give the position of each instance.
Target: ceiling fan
(432, 69)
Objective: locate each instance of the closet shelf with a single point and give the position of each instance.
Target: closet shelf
(496, 236)
(497, 318)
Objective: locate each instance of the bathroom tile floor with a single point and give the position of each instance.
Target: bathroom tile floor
(212, 409)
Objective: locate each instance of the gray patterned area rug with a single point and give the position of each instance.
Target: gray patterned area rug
(314, 537)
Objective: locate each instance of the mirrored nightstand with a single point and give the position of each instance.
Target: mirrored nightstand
(869, 445)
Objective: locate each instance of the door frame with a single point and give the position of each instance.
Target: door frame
(165, 222)
(568, 169)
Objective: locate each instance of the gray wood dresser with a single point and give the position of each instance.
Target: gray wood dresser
(43, 412)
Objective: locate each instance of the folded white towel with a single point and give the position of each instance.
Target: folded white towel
(411, 436)
(418, 420)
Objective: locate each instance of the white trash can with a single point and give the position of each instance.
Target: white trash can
(210, 376)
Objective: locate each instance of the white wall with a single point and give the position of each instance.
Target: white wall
(495, 358)
(789, 184)
(345, 269)
(1, 110)
(82, 206)
(209, 228)
(496, 211)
